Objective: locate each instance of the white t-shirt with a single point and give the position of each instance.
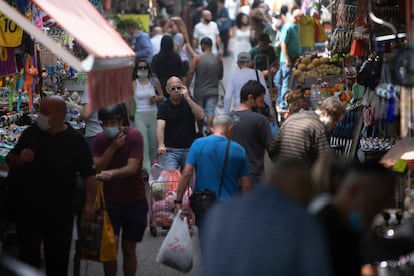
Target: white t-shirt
(210, 30)
(142, 95)
(237, 80)
(156, 43)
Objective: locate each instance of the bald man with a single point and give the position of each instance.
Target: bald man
(176, 119)
(43, 169)
(207, 28)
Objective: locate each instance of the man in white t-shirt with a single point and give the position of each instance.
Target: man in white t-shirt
(207, 28)
(156, 39)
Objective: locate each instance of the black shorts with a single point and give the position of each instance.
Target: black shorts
(131, 217)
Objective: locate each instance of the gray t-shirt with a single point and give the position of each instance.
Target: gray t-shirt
(92, 123)
(252, 131)
(206, 81)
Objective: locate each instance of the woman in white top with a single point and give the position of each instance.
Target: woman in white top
(240, 37)
(146, 93)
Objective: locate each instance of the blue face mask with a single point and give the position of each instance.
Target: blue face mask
(142, 74)
(355, 221)
(111, 132)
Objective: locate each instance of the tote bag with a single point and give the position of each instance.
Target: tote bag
(97, 238)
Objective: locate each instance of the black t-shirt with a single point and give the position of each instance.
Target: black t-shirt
(47, 184)
(179, 124)
(343, 243)
(166, 67)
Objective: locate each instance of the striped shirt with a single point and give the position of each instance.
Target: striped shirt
(302, 136)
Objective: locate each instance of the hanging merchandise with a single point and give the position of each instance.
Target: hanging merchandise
(360, 39)
(369, 73)
(403, 67)
(307, 31)
(10, 33)
(30, 73)
(389, 95)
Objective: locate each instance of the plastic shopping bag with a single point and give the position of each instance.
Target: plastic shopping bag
(176, 249)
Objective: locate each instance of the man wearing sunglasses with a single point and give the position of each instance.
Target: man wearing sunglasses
(176, 125)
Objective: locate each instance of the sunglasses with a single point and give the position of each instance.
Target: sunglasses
(142, 67)
(176, 88)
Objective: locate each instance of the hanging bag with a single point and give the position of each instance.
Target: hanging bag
(97, 238)
(176, 249)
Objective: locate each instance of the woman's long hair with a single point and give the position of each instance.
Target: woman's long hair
(134, 73)
(239, 19)
(182, 28)
(167, 46)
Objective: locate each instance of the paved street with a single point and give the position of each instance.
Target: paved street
(147, 266)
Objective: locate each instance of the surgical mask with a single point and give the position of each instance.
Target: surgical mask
(326, 120)
(355, 221)
(276, 22)
(111, 132)
(142, 74)
(42, 122)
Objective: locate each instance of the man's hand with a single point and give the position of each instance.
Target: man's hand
(162, 149)
(88, 213)
(27, 155)
(185, 93)
(119, 141)
(105, 175)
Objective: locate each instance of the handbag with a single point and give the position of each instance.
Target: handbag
(201, 201)
(97, 238)
(176, 249)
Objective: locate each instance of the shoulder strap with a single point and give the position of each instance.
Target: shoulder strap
(257, 75)
(224, 166)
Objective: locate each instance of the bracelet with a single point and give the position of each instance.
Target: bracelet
(178, 201)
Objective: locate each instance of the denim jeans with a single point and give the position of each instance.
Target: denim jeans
(283, 83)
(174, 158)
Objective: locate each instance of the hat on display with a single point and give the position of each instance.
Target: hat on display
(244, 57)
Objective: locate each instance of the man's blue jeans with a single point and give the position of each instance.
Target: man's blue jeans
(282, 81)
(174, 158)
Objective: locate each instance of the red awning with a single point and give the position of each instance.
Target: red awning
(110, 60)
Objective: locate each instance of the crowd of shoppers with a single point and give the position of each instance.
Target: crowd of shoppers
(268, 227)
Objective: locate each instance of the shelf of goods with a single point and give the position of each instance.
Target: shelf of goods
(308, 70)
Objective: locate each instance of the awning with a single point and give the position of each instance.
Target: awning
(110, 60)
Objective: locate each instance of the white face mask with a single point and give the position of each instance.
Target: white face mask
(42, 122)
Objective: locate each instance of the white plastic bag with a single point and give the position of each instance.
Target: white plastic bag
(176, 249)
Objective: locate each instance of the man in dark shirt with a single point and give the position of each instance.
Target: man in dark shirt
(118, 153)
(43, 168)
(176, 125)
(251, 129)
(365, 191)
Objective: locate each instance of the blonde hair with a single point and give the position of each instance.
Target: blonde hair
(182, 28)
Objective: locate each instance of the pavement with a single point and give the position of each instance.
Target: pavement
(147, 251)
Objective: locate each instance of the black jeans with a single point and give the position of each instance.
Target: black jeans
(56, 235)
(225, 37)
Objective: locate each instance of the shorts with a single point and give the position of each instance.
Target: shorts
(131, 217)
(209, 105)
